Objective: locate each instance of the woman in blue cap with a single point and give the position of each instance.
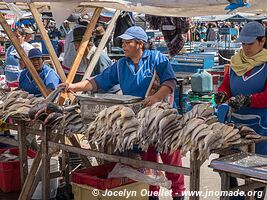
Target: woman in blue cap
(245, 84)
(135, 73)
(47, 74)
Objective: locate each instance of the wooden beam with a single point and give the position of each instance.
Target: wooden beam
(45, 164)
(38, 19)
(124, 160)
(84, 43)
(101, 45)
(76, 143)
(23, 56)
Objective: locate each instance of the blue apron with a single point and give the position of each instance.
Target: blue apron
(255, 118)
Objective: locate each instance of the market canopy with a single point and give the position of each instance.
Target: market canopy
(240, 17)
(154, 7)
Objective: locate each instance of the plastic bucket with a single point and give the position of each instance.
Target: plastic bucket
(54, 167)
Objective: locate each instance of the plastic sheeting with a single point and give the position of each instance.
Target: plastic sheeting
(61, 11)
(179, 8)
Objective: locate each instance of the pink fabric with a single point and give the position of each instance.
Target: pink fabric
(174, 159)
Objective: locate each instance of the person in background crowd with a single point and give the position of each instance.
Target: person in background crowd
(203, 32)
(134, 73)
(102, 62)
(98, 34)
(28, 34)
(12, 67)
(69, 49)
(64, 29)
(212, 32)
(49, 77)
(245, 85)
(54, 33)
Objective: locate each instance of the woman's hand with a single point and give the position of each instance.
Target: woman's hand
(149, 101)
(220, 97)
(67, 87)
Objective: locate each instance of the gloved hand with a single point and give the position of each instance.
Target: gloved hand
(239, 101)
(220, 97)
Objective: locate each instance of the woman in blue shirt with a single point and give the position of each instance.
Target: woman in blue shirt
(47, 74)
(135, 74)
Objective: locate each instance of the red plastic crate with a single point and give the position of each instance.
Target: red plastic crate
(97, 177)
(10, 172)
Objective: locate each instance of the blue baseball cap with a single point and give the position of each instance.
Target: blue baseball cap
(250, 32)
(35, 53)
(134, 32)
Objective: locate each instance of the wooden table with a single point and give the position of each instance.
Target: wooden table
(48, 142)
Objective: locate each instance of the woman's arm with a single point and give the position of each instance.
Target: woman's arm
(225, 85)
(163, 92)
(259, 100)
(76, 87)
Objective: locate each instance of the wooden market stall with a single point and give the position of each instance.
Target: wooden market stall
(170, 8)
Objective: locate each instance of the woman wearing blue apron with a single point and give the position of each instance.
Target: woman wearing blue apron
(136, 74)
(245, 86)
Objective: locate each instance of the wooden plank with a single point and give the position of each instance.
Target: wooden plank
(194, 175)
(75, 143)
(30, 178)
(23, 56)
(45, 164)
(101, 45)
(84, 43)
(124, 160)
(37, 17)
(65, 162)
(22, 152)
(37, 179)
(225, 184)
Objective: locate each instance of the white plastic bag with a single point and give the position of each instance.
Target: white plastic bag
(120, 170)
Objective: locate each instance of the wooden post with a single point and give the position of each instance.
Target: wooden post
(84, 43)
(37, 17)
(101, 45)
(23, 56)
(45, 164)
(75, 143)
(225, 184)
(121, 159)
(194, 175)
(30, 178)
(65, 162)
(22, 151)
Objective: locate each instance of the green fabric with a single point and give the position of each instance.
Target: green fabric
(241, 64)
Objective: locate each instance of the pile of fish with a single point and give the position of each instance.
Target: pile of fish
(23, 105)
(17, 103)
(161, 126)
(157, 123)
(114, 125)
(248, 133)
(69, 121)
